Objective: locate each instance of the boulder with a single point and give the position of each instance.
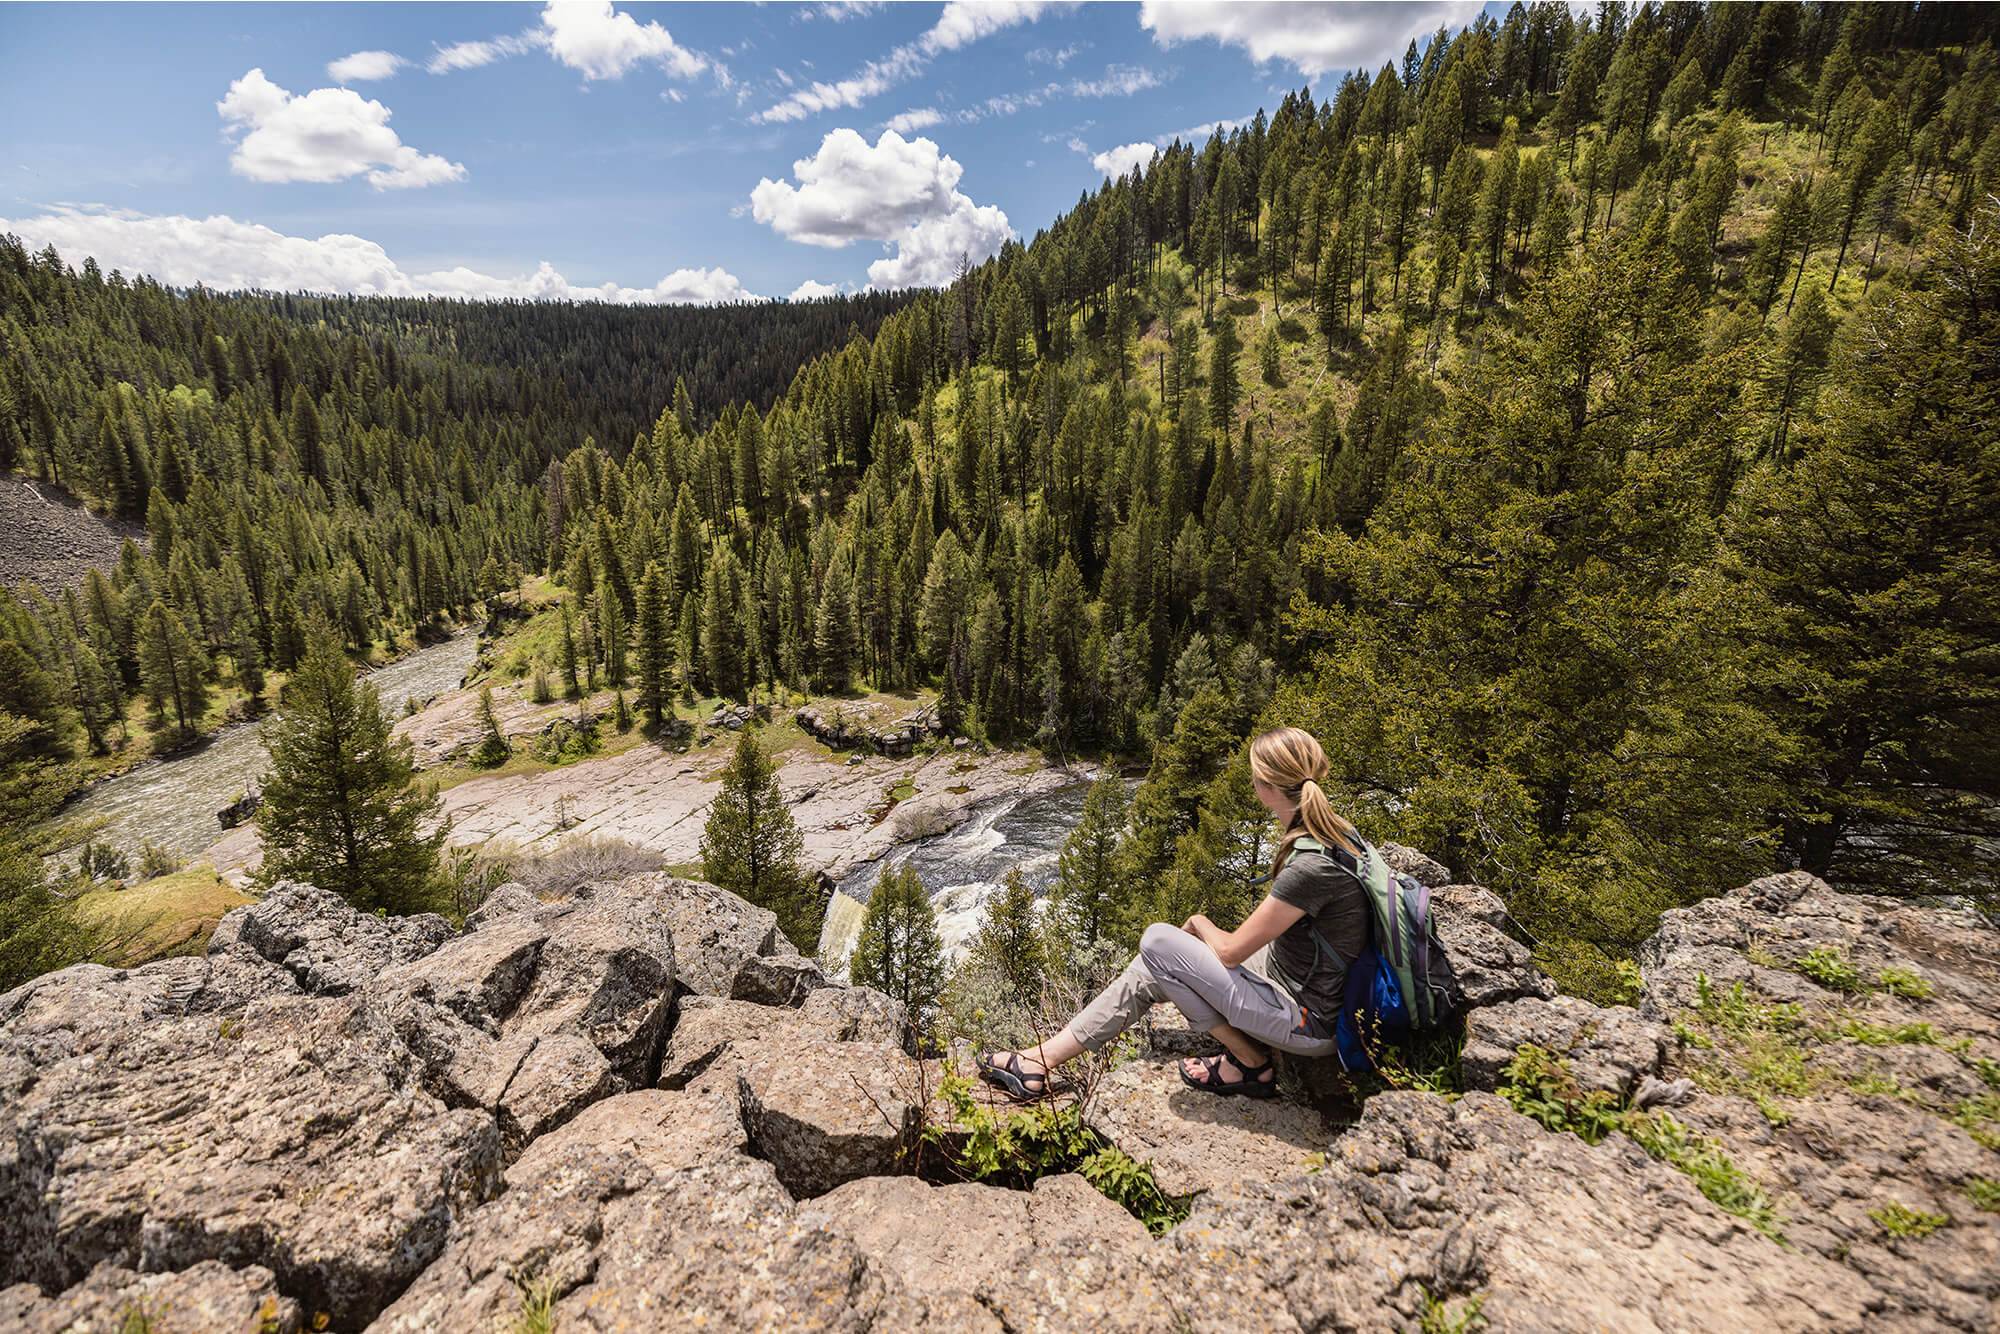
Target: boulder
(1414, 864)
(1057, 1256)
(667, 1130)
(1197, 1141)
(329, 947)
(1491, 965)
(207, 1298)
(291, 1134)
(1426, 1199)
(512, 897)
(718, 937)
(823, 1115)
(1609, 1049)
(614, 1241)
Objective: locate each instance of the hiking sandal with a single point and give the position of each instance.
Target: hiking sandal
(1012, 1079)
(1252, 1085)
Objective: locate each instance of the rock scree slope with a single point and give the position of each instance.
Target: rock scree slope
(640, 1108)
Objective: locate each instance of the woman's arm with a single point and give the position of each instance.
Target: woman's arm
(1271, 919)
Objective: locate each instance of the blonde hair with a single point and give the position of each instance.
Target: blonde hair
(1291, 760)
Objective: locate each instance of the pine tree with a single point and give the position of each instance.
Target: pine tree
(39, 929)
(1224, 386)
(900, 951)
(751, 847)
(1084, 901)
(174, 671)
(343, 807)
(654, 649)
(493, 746)
(1875, 554)
(834, 634)
(572, 682)
(1009, 937)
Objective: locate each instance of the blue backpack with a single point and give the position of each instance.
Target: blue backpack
(1402, 983)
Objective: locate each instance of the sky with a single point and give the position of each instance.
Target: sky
(593, 150)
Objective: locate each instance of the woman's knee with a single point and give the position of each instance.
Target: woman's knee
(1160, 944)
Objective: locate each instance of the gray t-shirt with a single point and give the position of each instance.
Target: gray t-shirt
(1327, 886)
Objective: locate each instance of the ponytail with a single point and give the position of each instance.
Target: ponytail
(1290, 760)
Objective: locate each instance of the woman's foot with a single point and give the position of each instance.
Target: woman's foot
(1023, 1078)
(1227, 1075)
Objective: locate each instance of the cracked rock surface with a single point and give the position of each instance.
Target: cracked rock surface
(639, 1108)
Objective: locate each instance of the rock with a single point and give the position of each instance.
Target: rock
(702, 1051)
(1844, 1101)
(857, 1014)
(778, 980)
(87, 1007)
(823, 1115)
(1197, 1141)
(607, 972)
(1057, 1256)
(239, 810)
(1167, 1033)
(716, 935)
(619, 1243)
(1473, 902)
(1491, 966)
(291, 1135)
(512, 897)
(204, 1298)
(1414, 864)
(667, 1130)
(1607, 1049)
(1452, 1199)
(329, 947)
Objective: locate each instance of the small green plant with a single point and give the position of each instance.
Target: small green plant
(1437, 1317)
(1900, 981)
(1899, 1220)
(1980, 1118)
(1316, 1162)
(1539, 1084)
(1987, 1068)
(537, 1314)
(135, 1319)
(1714, 1174)
(1774, 1112)
(1984, 1193)
(1631, 984)
(1830, 968)
(1737, 1011)
(1876, 1035)
(1875, 1084)
(1020, 1147)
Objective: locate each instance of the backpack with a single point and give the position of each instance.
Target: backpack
(1402, 983)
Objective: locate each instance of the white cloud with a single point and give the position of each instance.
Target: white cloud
(471, 55)
(328, 134)
(1120, 161)
(1313, 37)
(811, 289)
(1059, 57)
(223, 253)
(363, 66)
(849, 191)
(920, 119)
(902, 192)
(927, 254)
(962, 22)
(839, 11)
(591, 37)
(1118, 81)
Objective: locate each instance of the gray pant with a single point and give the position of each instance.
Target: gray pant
(1175, 966)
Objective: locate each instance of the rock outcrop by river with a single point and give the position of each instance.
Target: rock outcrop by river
(641, 1108)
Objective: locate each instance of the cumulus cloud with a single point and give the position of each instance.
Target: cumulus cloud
(961, 23)
(921, 118)
(221, 252)
(589, 36)
(601, 43)
(927, 254)
(328, 134)
(363, 66)
(852, 191)
(812, 289)
(1120, 161)
(901, 192)
(1312, 36)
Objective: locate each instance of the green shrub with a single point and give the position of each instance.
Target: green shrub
(1830, 968)
(1875, 1035)
(1539, 1085)
(1899, 1220)
(1903, 982)
(1437, 1317)
(1048, 1138)
(1705, 1163)
(1984, 1193)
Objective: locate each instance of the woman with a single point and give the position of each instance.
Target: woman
(1314, 920)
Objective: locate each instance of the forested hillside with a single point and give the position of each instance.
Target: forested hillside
(1585, 427)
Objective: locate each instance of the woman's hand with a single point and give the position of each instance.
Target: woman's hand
(1193, 925)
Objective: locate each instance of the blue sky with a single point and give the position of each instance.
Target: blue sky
(632, 152)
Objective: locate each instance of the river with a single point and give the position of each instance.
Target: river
(172, 802)
(963, 867)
